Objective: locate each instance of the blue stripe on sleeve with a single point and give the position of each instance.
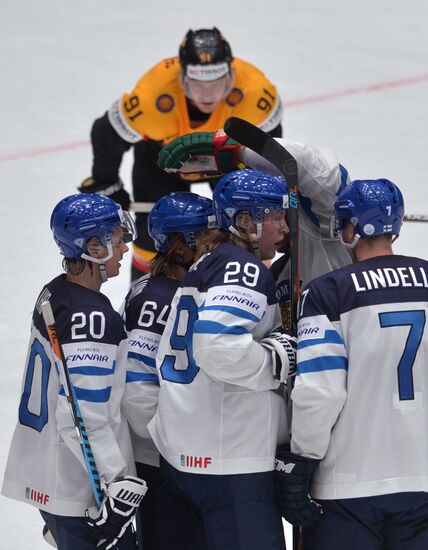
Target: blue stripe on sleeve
(150, 361)
(233, 310)
(93, 396)
(344, 179)
(211, 327)
(319, 364)
(132, 376)
(93, 371)
(330, 337)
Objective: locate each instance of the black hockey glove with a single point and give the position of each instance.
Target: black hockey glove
(283, 347)
(120, 504)
(293, 475)
(114, 191)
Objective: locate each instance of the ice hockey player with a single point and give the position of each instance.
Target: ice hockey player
(176, 223)
(46, 467)
(220, 362)
(199, 89)
(321, 179)
(360, 428)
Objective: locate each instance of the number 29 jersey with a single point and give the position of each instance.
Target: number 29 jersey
(217, 413)
(361, 393)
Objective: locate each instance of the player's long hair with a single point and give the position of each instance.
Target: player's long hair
(164, 263)
(214, 237)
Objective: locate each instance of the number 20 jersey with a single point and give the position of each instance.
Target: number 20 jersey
(361, 395)
(217, 413)
(45, 466)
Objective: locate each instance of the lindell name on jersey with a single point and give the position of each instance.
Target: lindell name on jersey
(385, 277)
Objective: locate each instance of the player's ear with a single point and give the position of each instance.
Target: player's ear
(94, 248)
(348, 233)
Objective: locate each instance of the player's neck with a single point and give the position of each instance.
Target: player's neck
(90, 279)
(372, 248)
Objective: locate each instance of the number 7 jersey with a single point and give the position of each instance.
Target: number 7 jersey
(361, 393)
(217, 413)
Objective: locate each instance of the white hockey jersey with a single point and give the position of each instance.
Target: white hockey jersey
(217, 413)
(321, 179)
(146, 311)
(360, 397)
(45, 466)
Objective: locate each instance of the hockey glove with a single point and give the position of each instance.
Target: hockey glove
(283, 347)
(293, 475)
(114, 191)
(120, 504)
(201, 155)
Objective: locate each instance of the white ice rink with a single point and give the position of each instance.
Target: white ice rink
(353, 76)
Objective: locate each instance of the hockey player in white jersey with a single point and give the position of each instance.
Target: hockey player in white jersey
(46, 467)
(219, 418)
(360, 428)
(176, 224)
(203, 155)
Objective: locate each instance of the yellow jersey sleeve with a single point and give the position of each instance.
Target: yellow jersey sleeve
(152, 109)
(254, 97)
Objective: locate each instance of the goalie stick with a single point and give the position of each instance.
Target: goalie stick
(88, 456)
(265, 145)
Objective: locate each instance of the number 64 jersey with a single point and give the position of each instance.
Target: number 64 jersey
(217, 413)
(361, 394)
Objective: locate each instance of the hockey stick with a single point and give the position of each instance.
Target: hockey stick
(415, 218)
(141, 207)
(60, 360)
(265, 145)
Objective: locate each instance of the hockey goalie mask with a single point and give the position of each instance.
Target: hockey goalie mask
(374, 207)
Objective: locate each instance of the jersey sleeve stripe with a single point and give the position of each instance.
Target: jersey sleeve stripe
(232, 310)
(93, 371)
(132, 376)
(322, 364)
(211, 327)
(330, 337)
(149, 361)
(93, 396)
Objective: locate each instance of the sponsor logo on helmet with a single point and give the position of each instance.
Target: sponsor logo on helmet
(369, 229)
(207, 72)
(165, 103)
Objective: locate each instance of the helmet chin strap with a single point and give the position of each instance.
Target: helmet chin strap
(254, 237)
(101, 261)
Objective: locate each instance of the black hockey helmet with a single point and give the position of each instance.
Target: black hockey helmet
(204, 47)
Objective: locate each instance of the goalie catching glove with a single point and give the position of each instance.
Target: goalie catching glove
(201, 155)
(293, 476)
(283, 348)
(115, 191)
(122, 498)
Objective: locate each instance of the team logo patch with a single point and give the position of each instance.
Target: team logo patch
(235, 97)
(165, 103)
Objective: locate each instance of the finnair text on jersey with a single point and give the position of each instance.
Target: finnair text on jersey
(387, 277)
(87, 357)
(243, 301)
(143, 345)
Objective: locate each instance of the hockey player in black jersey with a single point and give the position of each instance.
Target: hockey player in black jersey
(46, 467)
(359, 424)
(177, 223)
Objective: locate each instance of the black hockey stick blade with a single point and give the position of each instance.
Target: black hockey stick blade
(265, 145)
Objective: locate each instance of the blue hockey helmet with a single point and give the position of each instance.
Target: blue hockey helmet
(249, 191)
(374, 207)
(80, 217)
(179, 212)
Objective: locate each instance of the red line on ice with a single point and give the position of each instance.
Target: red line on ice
(291, 103)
